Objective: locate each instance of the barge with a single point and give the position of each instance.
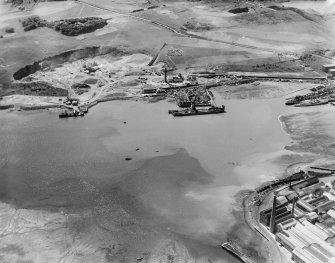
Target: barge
(193, 111)
(235, 251)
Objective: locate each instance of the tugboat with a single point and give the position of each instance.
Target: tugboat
(233, 249)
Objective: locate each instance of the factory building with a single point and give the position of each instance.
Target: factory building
(265, 215)
(332, 72)
(310, 189)
(307, 243)
(312, 217)
(330, 231)
(304, 183)
(281, 200)
(325, 206)
(331, 213)
(305, 206)
(285, 242)
(297, 213)
(286, 224)
(327, 68)
(317, 201)
(291, 196)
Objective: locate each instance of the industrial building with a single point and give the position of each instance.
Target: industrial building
(305, 206)
(303, 219)
(307, 243)
(327, 68)
(281, 212)
(304, 183)
(332, 72)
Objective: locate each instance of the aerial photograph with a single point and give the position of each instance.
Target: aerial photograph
(167, 131)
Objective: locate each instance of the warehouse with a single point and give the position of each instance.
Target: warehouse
(305, 206)
(317, 201)
(332, 72)
(285, 242)
(331, 212)
(265, 215)
(304, 183)
(307, 243)
(325, 206)
(328, 67)
(291, 222)
(316, 231)
(298, 213)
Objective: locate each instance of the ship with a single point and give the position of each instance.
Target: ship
(314, 102)
(294, 100)
(235, 251)
(67, 114)
(193, 111)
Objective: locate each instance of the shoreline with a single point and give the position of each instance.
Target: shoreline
(28, 107)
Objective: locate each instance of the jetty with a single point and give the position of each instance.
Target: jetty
(236, 251)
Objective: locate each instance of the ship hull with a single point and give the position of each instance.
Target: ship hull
(311, 104)
(194, 113)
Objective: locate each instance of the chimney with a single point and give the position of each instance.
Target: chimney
(165, 75)
(273, 215)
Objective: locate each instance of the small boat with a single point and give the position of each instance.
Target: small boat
(193, 112)
(314, 102)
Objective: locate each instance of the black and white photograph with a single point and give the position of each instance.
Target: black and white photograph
(167, 131)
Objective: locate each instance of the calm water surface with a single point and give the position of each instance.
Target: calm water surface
(183, 175)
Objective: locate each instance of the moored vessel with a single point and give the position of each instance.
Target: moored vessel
(314, 102)
(193, 111)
